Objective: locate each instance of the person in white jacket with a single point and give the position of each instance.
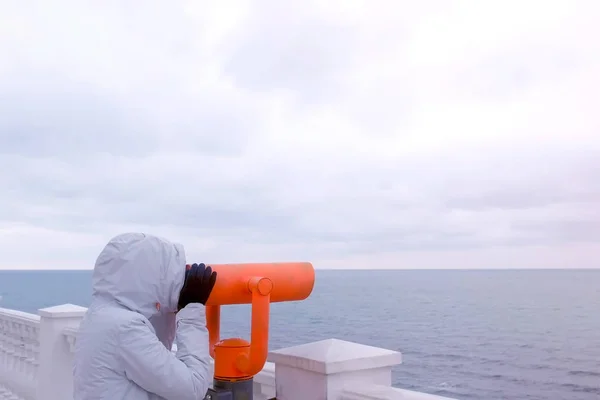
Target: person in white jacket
(143, 298)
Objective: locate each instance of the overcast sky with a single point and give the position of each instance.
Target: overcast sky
(358, 134)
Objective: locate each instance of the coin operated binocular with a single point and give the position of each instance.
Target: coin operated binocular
(237, 360)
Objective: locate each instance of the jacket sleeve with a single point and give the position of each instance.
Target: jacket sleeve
(157, 370)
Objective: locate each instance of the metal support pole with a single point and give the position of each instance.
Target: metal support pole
(225, 390)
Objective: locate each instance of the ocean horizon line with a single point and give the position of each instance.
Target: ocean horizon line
(353, 269)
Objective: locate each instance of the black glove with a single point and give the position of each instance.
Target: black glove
(199, 282)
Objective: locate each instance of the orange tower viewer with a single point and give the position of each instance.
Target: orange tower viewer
(259, 284)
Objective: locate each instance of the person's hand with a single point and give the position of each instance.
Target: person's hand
(199, 282)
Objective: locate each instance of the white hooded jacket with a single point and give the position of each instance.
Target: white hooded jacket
(123, 348)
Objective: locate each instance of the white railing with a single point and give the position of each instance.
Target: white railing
(36, 356)
(19, 353)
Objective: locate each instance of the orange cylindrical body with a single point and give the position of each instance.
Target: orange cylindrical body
(291, 281)
(227, 353)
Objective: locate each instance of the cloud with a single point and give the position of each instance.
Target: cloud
(353, 134)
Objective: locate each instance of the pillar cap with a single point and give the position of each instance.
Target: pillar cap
(333, 356)
(63, 311)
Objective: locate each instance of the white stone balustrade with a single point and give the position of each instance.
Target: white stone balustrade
(36, 356)
(19, 354)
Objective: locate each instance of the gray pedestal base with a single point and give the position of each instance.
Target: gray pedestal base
(224, 390)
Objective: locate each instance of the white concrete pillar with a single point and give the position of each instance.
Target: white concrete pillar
(55, 370)
(320, 370)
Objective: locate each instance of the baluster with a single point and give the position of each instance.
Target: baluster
(11, 347)
(29, 352)
(17, 342)
(36, 352)
(20, 349)
(3, 342)
(26, 351)
(7, 344)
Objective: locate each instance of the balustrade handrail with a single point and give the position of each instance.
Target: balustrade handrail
(26, 317)
(381, 392)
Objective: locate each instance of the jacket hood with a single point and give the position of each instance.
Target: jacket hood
(136, 271)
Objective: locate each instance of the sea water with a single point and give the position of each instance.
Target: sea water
(494, 335)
